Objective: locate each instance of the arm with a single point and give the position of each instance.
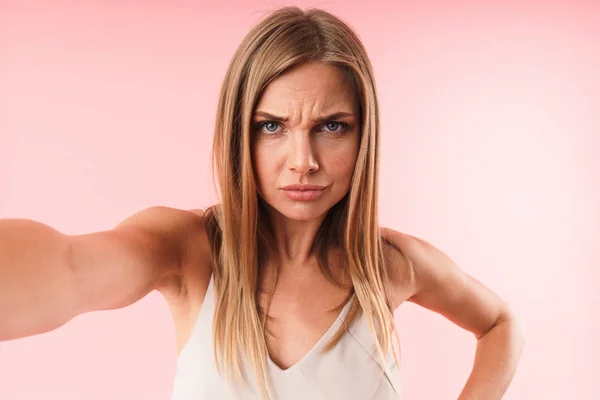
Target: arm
(443, 288)
(47, 278)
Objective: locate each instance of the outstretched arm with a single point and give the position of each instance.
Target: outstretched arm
(47, 277)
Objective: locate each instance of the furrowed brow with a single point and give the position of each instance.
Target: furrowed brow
(330, 117)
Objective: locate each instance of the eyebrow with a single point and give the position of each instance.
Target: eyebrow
(336, 115)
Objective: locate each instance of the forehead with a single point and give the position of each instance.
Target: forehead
(314, 85)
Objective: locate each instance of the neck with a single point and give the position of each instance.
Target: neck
(294, 239)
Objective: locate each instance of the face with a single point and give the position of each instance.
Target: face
(306, 133)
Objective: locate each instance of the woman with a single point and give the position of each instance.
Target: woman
(287, 288)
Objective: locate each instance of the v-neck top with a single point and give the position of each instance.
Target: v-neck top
(351, 370)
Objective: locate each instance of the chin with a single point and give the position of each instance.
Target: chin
(303, 215)
(301, 210)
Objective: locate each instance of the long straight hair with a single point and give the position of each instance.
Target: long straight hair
(239, 229)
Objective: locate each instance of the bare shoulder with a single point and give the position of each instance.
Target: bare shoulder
(194, 266)
(427, 263)
(397, 249)
(416, 265)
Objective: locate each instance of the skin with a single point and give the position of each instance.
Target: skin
(302, 151)
(167, 249)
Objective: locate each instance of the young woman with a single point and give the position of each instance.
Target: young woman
(287, 288)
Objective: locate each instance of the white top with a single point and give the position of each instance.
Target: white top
(348, 371)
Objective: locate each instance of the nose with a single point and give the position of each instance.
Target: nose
(302, 158)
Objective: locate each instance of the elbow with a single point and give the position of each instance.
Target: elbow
(512, 329)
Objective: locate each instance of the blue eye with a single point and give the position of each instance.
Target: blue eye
(333, 127)
(268, 127)
(330, 124)
(272, 125)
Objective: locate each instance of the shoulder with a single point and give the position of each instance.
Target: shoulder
(427, 261)
(189, 229)
(398, 250)
(413, 262)
(411, 246)
(398, 247)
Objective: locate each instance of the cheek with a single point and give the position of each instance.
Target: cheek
(344, 166)
(342, 160)
(264, 161)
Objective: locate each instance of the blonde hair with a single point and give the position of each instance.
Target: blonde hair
(238, 227)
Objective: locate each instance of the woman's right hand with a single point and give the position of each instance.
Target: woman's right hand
(47, 278)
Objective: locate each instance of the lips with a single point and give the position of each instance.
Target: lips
(303, 187)
(300, 192)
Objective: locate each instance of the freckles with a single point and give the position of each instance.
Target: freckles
(342, 162)
(344, 157)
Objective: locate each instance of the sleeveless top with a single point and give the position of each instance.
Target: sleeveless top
(350, 370)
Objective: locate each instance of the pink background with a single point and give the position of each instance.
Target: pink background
(490, 135)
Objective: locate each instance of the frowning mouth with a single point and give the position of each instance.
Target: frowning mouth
(303, 187)
(300, 192)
